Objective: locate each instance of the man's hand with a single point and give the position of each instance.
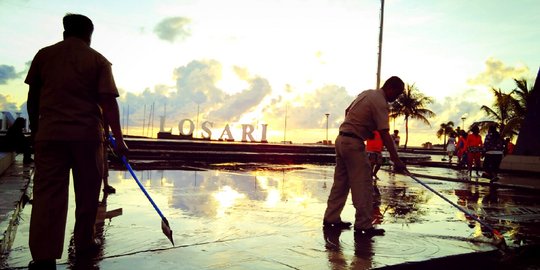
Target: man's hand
(399, 166)
(120, 148)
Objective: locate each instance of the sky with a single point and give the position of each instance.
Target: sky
(283, 63)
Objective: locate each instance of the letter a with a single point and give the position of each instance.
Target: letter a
(229, 134)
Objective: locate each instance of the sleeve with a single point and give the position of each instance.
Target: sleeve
(106, 84)
(380, 113)
(33, 77)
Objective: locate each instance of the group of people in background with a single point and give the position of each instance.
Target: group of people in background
(469, 148)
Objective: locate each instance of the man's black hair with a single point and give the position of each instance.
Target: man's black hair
(394, 82)
(77, 25)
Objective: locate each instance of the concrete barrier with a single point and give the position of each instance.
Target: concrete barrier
(521, 163)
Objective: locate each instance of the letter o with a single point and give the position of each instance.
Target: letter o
(181, 127)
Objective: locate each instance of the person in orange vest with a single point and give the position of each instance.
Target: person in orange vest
(474, 148)
(508, 146)
(374, 149)
(461, 150)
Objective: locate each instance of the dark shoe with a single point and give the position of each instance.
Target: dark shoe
(331, 238)
(369, 232)
(342, 225)
(42, 265)
(109, 189)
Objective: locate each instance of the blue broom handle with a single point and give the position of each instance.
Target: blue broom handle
(452, 203)
(128, 166)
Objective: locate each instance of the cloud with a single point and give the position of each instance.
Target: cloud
(173, 28)
(197, 81)
(7, 73)
(320, 57)
(308, 110)
(236, 105)
(196, 86)
(496, 72)
(7, 105)
(242, 73)
(455, 107)
(196, 89)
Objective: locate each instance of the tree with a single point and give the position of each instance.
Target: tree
(508, 110)
(412, 105)
(521, 95)
(502, 113)
(446, 128)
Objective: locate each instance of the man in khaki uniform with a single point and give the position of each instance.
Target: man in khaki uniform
(71, 91)
(367, 113)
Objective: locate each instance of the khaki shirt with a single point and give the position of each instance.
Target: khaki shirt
(368, 112)
(71, 76)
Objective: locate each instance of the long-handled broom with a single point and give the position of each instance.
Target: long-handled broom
(500, 243)
(164, 222)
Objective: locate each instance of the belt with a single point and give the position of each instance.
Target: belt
(351, 135)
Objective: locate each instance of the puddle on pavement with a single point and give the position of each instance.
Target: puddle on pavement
(271, 218)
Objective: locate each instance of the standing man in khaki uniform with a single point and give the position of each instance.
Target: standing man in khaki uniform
(71, 91)
(367, 113)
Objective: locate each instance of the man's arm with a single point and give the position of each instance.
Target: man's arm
(32, 106)
(111, 117)
(390, 146)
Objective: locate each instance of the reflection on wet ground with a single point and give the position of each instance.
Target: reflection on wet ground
(269, 217)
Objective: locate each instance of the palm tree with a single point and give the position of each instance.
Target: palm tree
(522, 91)
(412, 105)
(519, 102)
(502, 113)
(446, 128)
(509, 110)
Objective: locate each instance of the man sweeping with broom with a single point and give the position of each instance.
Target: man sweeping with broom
(367, 113)
(71, 89)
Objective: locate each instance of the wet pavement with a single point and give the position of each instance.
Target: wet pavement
(14, 180)
(246, 216)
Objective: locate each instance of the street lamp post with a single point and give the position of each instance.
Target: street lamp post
(463, 119)
(327, 114)
(379, 56)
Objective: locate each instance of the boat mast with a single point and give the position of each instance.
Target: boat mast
(285, 125)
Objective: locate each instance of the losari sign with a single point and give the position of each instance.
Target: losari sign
(226, 134)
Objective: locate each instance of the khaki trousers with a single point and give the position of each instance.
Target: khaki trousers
(53, 161)
(352, 172)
